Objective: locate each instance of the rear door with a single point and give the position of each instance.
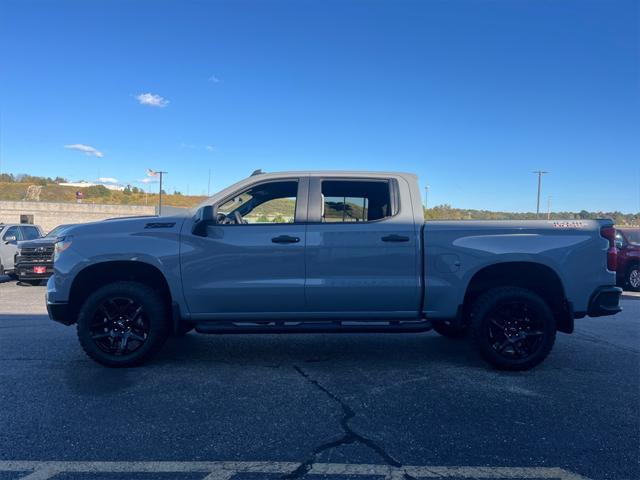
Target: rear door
(362, 249)
(251, 263)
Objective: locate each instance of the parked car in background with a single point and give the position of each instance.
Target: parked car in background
(344, 252)
(628, 268)
(34, 259)
(10, 235)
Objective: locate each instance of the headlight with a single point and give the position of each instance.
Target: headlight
(60, 246)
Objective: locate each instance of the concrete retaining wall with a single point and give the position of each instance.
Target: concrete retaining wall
(49, 215)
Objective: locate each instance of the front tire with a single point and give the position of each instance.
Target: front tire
(122, 324)
(633, 278)
(513, 328)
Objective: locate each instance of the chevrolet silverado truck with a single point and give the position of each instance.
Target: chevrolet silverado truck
(330, 252)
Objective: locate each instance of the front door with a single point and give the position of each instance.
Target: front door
(362, 249)
(251, 261)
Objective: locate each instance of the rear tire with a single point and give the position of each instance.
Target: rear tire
(513, 328)
(633, 278)
(122, 324)
(453, 332)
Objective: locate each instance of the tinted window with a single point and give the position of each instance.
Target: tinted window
(633, 236)
(56, 231)
(11, 232)
(355, 201)
(271, 202)
(30, 233)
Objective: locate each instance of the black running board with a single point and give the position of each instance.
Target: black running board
(399, 326)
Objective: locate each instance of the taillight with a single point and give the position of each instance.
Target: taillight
(612, 253)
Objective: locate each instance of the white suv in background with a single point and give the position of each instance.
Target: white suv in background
(10, 235)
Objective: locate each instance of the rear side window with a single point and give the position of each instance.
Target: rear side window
(356, 200)
(30, 233)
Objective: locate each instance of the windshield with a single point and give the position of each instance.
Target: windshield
(632, 236)
(56, 231)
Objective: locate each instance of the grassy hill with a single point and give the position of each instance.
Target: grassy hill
(58, 193)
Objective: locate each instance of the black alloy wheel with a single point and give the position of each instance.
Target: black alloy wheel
(513, 328)
(515, 332)
(123, 323)
(119, 326)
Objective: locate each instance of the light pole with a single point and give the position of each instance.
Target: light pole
(426, 196)
(153, 173)
(540, 173)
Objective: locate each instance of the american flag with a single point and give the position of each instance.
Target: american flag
(152, 173)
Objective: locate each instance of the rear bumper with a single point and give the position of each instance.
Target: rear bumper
(59, 312)
(605, 301)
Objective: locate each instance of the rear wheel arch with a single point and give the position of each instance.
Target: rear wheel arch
(537, 277)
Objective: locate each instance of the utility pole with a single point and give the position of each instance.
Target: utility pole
(540, 173)
(549, 207)
(426, 196)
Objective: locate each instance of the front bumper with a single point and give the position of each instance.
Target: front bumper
(59, 312)
(25, 270)
(605, 301)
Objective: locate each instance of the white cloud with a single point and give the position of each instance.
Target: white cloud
(147, 180)
(187, 145)
(107, 180)
(86, 149)
(152, 99)
(214, 79)
(209, 148)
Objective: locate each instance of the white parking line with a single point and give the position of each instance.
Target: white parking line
(226, 470)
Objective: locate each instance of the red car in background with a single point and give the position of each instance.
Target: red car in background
(628, 267)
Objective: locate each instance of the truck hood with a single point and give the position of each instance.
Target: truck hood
(127, 225)
(38, 242)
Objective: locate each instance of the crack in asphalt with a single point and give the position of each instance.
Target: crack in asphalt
(349, 436)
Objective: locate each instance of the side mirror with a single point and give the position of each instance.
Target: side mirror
(205, 216)
(10, 239)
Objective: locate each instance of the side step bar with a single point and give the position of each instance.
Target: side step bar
(394, 326)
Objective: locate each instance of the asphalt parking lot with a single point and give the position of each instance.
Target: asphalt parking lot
(315, 406)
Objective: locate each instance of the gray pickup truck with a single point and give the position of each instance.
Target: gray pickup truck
(330, 252)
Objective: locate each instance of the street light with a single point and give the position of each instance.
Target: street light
(153, 173)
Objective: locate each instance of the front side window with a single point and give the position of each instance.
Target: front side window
(271, 202)
(355, 201)
(30, 233)
(11, 232)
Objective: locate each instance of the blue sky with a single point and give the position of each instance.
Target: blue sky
(471, 95)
